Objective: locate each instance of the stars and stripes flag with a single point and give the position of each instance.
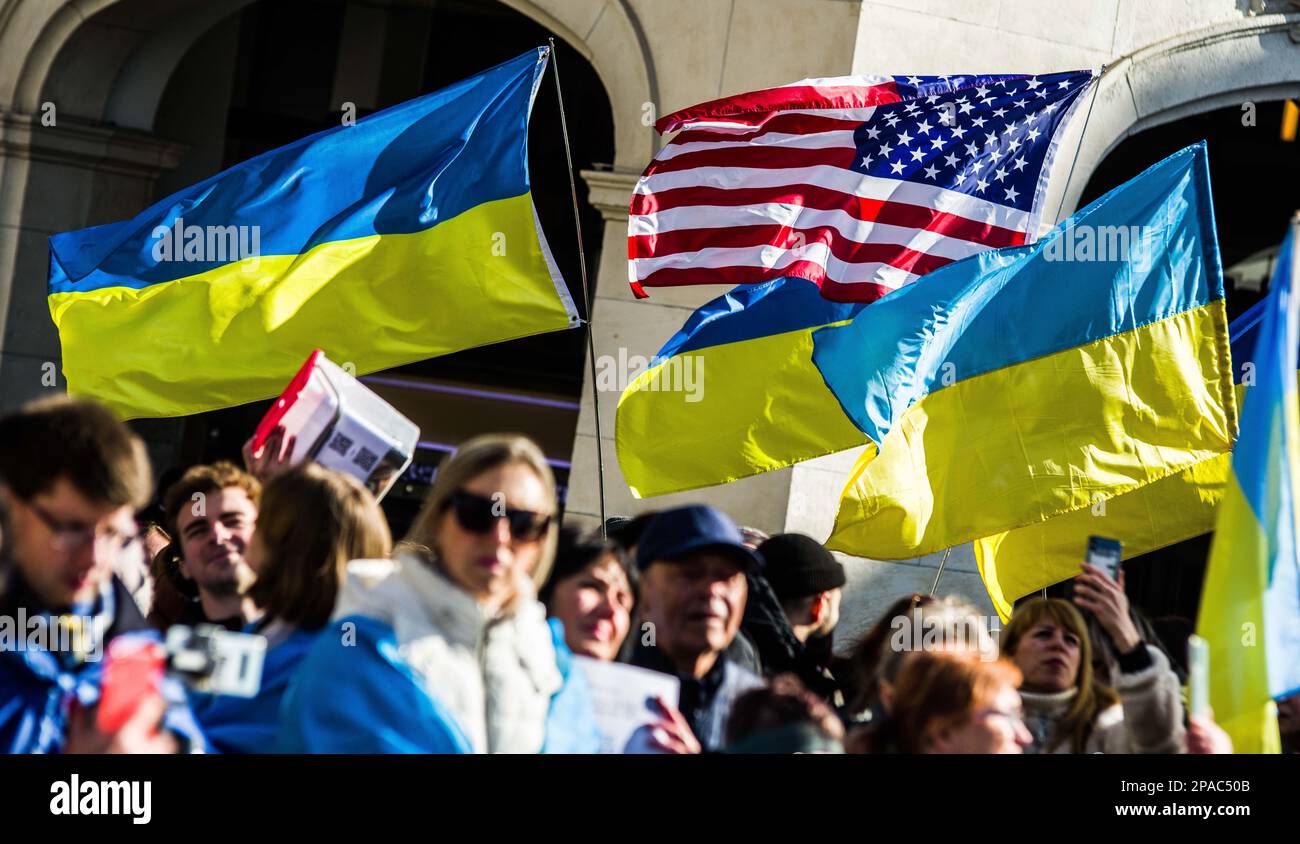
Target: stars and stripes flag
(858, 184)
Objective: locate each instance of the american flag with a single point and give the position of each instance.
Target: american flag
(858, 184)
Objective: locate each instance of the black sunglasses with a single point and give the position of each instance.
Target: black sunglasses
(477, 514)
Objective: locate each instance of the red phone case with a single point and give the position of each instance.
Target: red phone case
(133, 670)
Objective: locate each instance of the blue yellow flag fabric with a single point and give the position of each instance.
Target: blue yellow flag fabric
(1022, 561)
(759, 405)
(1250, 603)
(1024, 383)
(407, 235)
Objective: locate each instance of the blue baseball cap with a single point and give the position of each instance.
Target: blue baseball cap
(674, 534)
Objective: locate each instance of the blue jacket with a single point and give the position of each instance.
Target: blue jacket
(355, 694)
(251, 725)
(39, 686)
(413, 664)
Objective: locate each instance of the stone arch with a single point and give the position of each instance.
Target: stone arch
(93, 57)
(609, 36)
(1248, 59)
(128, 48)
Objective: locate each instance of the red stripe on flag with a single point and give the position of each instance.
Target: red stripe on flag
(849, 251)
(754, 108)
(863, 291)
(783, 124)
(758, 157)
(825, 199)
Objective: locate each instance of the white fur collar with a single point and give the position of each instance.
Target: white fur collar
(1051, 703)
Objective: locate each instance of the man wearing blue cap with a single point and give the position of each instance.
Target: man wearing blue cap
(693, 562)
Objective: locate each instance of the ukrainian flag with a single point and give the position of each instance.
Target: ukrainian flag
(1020, 562)
(1024, 383)
(407, 235)
(760, 403)
(1250, 603)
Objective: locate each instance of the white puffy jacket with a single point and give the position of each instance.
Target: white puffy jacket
(496, 674)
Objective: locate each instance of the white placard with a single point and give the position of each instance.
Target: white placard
(623, 698)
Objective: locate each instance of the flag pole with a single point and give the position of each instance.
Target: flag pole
(586, 295)
(1065, 189)
(935, 587)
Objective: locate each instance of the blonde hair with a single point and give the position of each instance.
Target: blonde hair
(1093, 696)
(473, 458)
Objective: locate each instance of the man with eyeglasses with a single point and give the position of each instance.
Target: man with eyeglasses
(71, 477)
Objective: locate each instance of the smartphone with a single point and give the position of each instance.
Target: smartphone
(1198, 676)
(1105, 554)
(133, 670)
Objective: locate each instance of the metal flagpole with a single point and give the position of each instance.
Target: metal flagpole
(1096, 86)
(586, 295)
(935, 588)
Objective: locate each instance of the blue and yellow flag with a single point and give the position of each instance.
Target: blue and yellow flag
(1250, 603)
(1025, 383)
(407, 235)
(1022, 561)
(758, 403)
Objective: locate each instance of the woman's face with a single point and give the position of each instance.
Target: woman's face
(1048, 656)
(491, 566)
(997, 728)
(595, 606)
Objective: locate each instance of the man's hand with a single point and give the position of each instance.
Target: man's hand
(140, 733)
(671, 733)
(1104, 598)
(273, 458)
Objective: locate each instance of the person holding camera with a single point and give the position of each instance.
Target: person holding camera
(71, 477)
(311, 523)
(1067, 708)
(446, 649)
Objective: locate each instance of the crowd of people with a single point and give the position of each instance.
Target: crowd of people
(461, 636)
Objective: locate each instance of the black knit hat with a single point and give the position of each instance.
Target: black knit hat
(798, 566)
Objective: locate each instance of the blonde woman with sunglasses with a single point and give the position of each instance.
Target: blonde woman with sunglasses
(445, 647)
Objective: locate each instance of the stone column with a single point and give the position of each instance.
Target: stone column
(58, 178)
(641, 328)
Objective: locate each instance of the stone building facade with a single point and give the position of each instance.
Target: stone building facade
(106, 67)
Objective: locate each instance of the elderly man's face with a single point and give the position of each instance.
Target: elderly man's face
(695, 603)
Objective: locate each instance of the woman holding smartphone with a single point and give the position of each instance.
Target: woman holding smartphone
(1067, 708)
(446, 649)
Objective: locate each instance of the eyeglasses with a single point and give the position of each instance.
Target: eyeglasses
(1012, 716)
(67, 537)
(477, 514)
